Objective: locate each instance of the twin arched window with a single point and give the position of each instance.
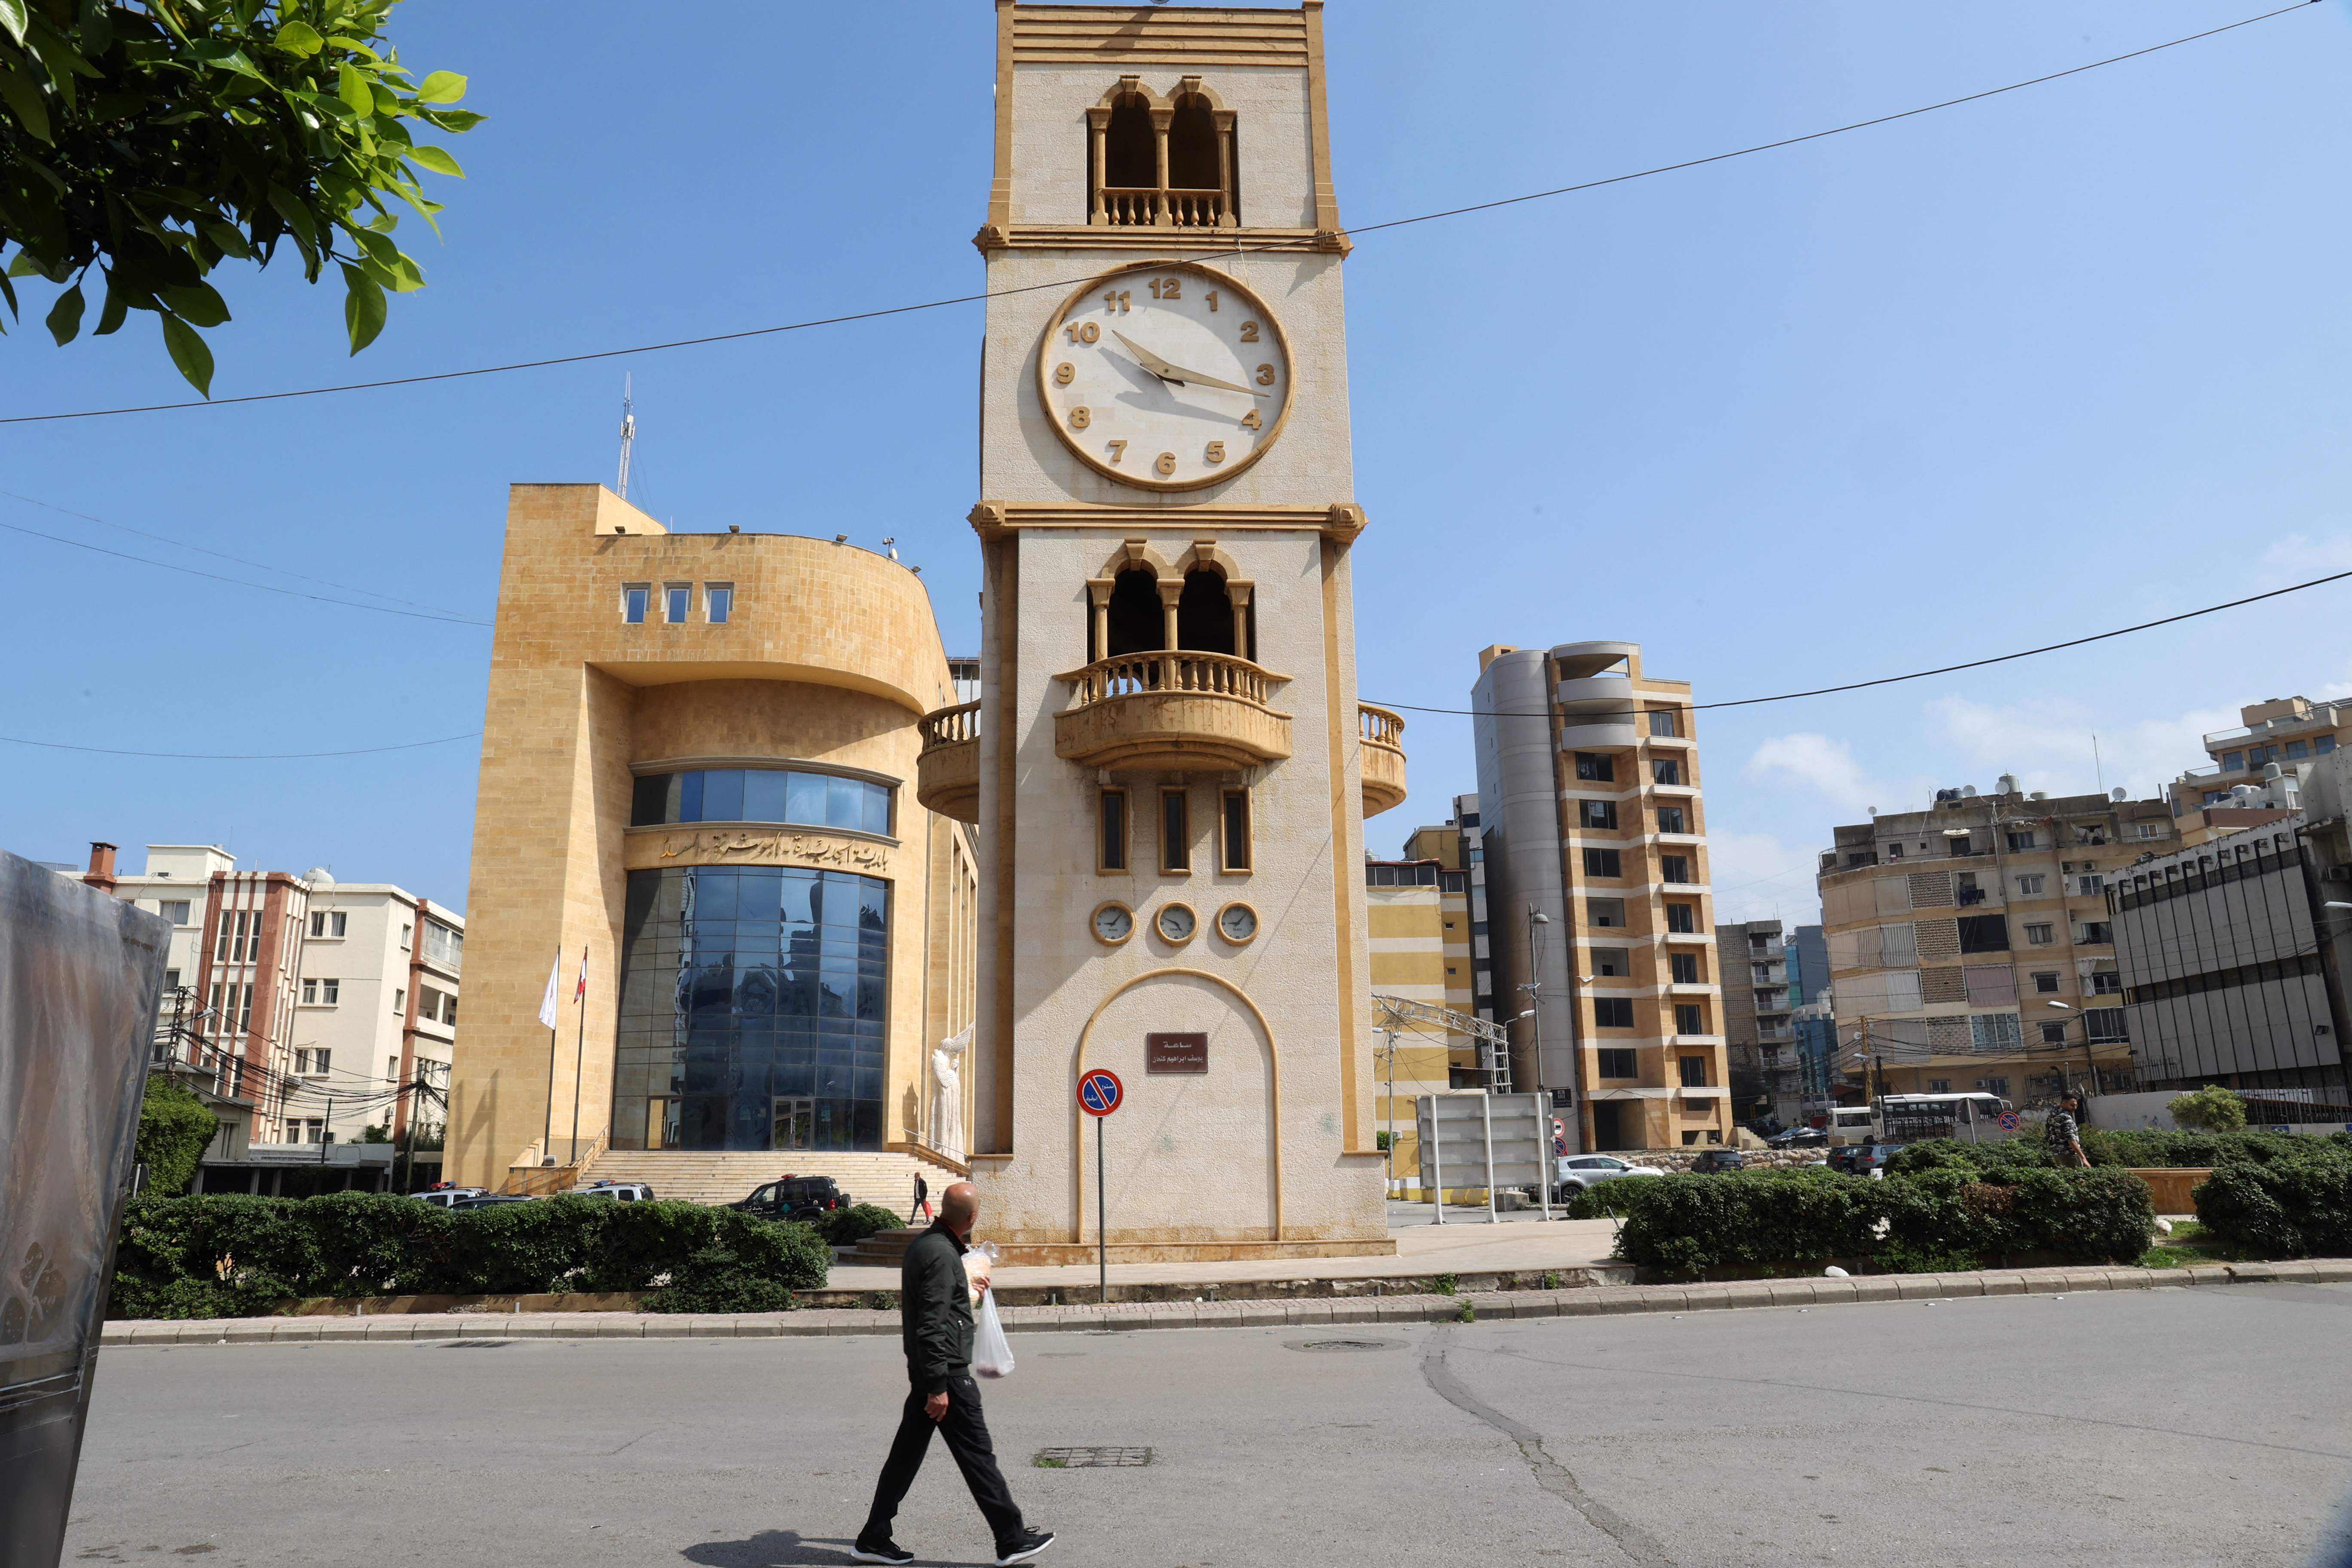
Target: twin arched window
(1138, 618)
(1161, 162)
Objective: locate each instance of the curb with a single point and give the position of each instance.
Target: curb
(1493, 1306)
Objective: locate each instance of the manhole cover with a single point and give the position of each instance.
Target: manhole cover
(1090, 1459)
(1344, 1345)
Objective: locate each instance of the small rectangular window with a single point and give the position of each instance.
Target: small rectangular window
(2019, 841)
(1111, 852)
(718, 602)
(1234, 842)
(318, 922)
(407, 933)
(1684, 966)
(171, 980)
(399, 1000)
(1661, 722)
(2233, 761)
(2037, 935)
(1674, 868)
(1694, 1068)
(2095, 933)
(1617, 1062)
(1895, 852)
(1666, 771)
(1682, 918)
(1596, 813)
(2106, 983)
(1690, 1019)
(676, 596)
(1603, 863)
(1612, 1013)
(1670, 819)
(2053, 1034)
(2323, 745)
(636, 598)
(310, 993)
(1596, 767)
(330, 992)
(2045, 983)
(1175, 831)
(174, 910)
(2030, 887)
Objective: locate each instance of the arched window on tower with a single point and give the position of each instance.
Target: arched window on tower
(1204, 613)
(1161, 162)
(1137, 623)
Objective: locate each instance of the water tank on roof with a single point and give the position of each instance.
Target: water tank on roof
(318, 877)
(2006, 784)
(2039, 795)
(1967, 792)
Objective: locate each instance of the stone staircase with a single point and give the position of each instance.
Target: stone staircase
(885, 1180)
(885, 1249)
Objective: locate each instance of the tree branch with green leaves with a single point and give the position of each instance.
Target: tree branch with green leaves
(152, 142)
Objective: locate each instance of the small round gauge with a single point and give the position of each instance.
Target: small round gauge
(1113, 923)
(1176, 923)
(1238, 924)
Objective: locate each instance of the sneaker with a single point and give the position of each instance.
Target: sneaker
(1025, 1546)
(883, 1551)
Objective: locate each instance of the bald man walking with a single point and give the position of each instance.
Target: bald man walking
(935, 1307)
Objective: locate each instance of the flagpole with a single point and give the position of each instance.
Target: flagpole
(547, 1138)
(579, 1057)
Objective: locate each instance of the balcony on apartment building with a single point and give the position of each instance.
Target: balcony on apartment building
(1382, 733)
(947, 773)
(1595, 696)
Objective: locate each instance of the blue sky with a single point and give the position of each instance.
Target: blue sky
(2065, 360)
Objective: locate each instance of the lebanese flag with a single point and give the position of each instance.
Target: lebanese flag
(547, 1013)
(580, 992)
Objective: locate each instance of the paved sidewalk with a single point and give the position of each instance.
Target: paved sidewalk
(1123, 1317)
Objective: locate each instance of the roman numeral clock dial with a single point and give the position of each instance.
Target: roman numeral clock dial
(1166, 376)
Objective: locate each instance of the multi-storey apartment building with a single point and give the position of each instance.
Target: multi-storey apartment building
(377, 1011)
(1971, 945)
(1465, 935)
(2288, 731)
(1598, 909)
(1418, 948)
(1757, 1039)
(1812, 1023)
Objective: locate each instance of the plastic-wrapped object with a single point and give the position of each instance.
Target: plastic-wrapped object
(80, 974)
(992, 1353)
(977, 1261)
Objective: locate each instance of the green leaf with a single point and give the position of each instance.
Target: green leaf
(458, 120)
(22, 97)
(12, 18)
(364, 306)
(189, 352)
(8, 292)
(436, 160)
(441, 86)
(97, 20)
(225, 236)
(111, 315)
(296, 215)
(351, 87)
(198, 304)
(65, 316)
(299, 37)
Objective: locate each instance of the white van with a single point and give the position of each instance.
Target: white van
(1850, 1124)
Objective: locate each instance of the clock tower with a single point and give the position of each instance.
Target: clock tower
(1169, 766)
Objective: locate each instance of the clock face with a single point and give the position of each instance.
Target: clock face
(1167, 376)
(1237, 922)
(1175, 924)
(1113, 923)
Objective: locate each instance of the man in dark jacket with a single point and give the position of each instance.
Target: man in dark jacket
(935, 1307)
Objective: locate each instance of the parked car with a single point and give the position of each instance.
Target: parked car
(488, 1200)
(1577, 1171)
(1799, 1138)
(1861, 1158)
(448, 1197)
(619, 1192)
(1708, 1160)
(802, 1198)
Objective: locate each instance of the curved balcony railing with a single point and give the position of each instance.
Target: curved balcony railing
(1176, 711)
(1382, 734)
(947, 775)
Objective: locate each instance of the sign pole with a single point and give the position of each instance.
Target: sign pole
(1102, 1217)
(1436, 1163)
(1487, 1115)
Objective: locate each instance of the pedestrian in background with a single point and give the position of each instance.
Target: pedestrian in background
(935, 1297)
(922, 1199)
(2062, 1132)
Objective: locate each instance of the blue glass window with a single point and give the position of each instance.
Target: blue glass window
(761, 794)
(754, 1007)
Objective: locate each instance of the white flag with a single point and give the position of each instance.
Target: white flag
(547, 1013)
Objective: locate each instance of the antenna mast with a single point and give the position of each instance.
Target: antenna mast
(628, 434)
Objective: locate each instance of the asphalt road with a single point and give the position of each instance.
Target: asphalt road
(2172, 1426)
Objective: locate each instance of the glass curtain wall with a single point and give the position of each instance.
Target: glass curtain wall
(754, 1003)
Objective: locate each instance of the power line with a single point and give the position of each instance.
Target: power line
(1232, 250)
(222, 555)
(242, 582)
(1916, 674)
(240, 756)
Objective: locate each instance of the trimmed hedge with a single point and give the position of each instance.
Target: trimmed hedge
(2286, 1208)
(1939, 1218)
(229, 1255)
(847, 1227)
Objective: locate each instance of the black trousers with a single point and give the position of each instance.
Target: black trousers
(966, 1431)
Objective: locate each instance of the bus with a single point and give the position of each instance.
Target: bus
(1968, 1118)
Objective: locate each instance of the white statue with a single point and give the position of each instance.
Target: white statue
(947, 1095)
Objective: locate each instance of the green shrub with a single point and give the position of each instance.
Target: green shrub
(1933, 1154)
(2149, 1150)
(2211, 1110)
(2106, 1215)
(227, 1254)
(173, 1128)
(1610, 1200)
(2286, 1208)
(847, 1227)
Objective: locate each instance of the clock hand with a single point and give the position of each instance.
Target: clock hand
(1177, 374)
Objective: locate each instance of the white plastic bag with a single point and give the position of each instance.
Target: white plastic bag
(992, 1354)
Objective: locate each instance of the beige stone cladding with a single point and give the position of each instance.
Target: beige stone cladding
(828, 657)
(1407, 915)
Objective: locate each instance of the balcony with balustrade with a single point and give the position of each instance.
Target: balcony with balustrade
(1183, 711)
(1159, 206)
(947, 775)
(1382, 734)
